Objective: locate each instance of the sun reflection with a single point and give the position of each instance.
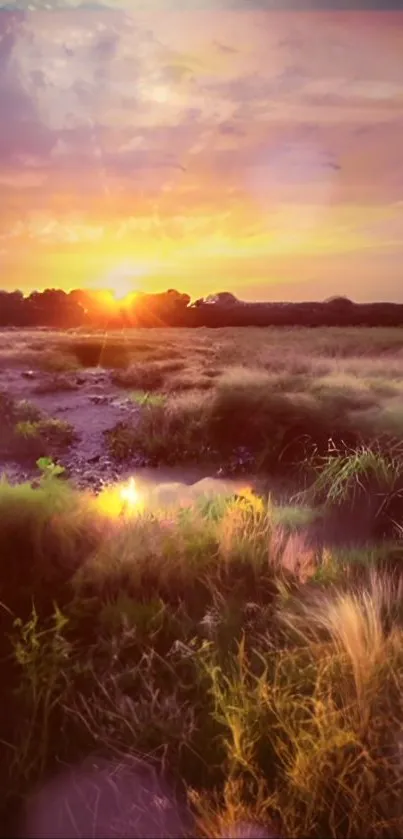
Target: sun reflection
(130, 495)
(121, 500)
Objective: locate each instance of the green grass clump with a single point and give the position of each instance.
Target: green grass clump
(166, 431)
(26, 434)
(367, 478)
(47, 435)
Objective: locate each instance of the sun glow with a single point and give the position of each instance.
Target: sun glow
(121, 500)
(123, 279)
(130, 495)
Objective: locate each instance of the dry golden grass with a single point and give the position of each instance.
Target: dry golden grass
(350, 376)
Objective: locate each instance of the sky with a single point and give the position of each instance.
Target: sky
(254, 147)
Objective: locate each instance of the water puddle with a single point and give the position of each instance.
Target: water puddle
(164, 489)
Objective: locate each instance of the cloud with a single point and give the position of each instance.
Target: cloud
(22, 132)
(246, 123)
(225, 48)
(175, 5)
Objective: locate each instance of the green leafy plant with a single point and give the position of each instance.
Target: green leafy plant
(49, 468)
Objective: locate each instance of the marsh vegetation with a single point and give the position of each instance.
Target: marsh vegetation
(255, 663)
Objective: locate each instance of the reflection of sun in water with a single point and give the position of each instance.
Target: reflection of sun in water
(121, 500)
(130, 494)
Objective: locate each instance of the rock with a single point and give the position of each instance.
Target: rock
(99, 399)
(94, 459)
(89, 476)
(29, 374)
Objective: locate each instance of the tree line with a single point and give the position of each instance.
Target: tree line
(56, 308)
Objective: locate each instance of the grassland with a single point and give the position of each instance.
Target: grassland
(278, 393)
(262, 669)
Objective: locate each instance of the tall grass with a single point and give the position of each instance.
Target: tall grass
(270, 417)
(278, 393)
(367, 478)
(206, 641)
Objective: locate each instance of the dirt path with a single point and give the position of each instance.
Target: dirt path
(92, 407)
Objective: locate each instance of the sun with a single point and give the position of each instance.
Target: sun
(123, 279)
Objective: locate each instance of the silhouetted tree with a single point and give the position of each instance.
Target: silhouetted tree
(12, 310)
(58, 309)
(223, 298)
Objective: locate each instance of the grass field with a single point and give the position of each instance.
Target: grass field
(279, 393)
(261, 669)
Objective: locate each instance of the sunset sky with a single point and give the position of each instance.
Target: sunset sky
(204, 146)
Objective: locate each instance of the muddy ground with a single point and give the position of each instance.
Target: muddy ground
(93, 405)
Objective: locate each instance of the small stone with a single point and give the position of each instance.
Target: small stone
(29, 374)
(94, 459)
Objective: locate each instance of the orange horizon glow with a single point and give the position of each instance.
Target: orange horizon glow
(207, 150)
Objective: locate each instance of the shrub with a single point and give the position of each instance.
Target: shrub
(247, 411)
(365, 480)
(146, 377)
(167, 432)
